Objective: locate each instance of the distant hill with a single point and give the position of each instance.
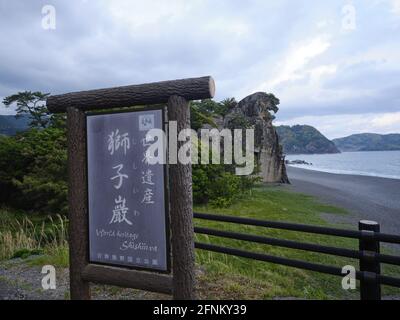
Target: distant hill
(369, 142)
(9, 125)
(303, 139)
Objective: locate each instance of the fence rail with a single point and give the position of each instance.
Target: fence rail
(368, 236)
(361, 234)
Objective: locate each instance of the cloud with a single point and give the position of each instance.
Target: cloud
(388, 121)
(297, 50)
(293, 67)
(396, 6)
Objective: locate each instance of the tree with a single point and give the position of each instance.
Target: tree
(30, 103)
(201, 112)
(226, 105)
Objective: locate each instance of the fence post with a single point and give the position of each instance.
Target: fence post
(370, 288)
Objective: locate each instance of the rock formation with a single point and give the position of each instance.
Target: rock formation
(254, 111)
(369, 142)
(303, 139)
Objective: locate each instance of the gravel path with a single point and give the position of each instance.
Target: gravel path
(20, 281)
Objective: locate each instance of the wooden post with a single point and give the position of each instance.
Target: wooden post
(183, 258)
(77, 202)
(117, 276)
(370, 288)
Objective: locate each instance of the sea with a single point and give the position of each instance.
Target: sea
(384, 164)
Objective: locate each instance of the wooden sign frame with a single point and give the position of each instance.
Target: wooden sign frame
(176, 94)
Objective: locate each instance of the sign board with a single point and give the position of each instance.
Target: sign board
(128, 221)
(117, 208)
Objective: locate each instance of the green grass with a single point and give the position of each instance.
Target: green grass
(23, 235)
(268, 280)
(228, 277)
(55, 256)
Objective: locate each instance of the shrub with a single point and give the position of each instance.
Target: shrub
(33, 166)
(217, 185)
(33, 170)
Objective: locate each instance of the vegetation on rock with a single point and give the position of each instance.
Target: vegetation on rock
(257, 111)
(303, 139)
(369, 142)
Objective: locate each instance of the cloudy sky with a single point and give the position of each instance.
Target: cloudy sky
(333, 64)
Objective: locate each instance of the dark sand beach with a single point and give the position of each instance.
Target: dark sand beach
(370, 198)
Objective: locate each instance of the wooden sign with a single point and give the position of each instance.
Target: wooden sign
(126, 194)
(111, 211)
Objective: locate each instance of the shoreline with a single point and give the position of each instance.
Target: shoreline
(384, 164)
(364, 197)
(342, 172)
